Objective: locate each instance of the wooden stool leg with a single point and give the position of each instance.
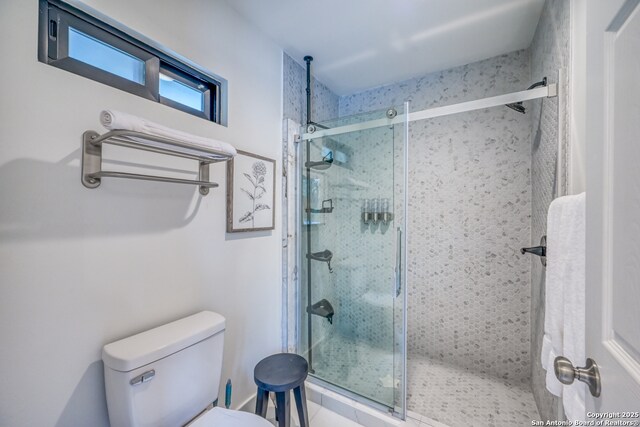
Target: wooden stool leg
(262, 402)
(283, 412)
(301, 405)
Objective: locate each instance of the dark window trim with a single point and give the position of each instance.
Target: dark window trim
(49, 52)
(58, 55)
(193, 83)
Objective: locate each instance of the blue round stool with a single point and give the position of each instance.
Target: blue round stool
(280, 373)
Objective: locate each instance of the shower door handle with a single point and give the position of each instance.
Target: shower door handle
(398, 267)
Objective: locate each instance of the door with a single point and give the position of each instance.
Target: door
(613, 204)
(352, 250)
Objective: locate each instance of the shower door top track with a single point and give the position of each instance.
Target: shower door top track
(549, 91)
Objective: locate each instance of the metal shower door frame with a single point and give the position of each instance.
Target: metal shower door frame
(549, 91)
(399, 407)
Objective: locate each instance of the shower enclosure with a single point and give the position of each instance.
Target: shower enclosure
(352, 227)
(469, 211)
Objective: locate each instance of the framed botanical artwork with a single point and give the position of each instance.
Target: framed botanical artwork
(251, 196)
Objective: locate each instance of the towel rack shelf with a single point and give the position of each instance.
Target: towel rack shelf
(92, 142)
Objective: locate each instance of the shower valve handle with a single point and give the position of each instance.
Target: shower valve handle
(535, 250)
(540, 251)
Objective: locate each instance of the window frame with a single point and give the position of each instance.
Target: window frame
(55, 51)
(58, 55)
(193, 83)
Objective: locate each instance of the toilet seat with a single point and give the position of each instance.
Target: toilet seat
(220, 417)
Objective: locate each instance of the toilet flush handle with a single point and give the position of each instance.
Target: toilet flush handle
(143, 377)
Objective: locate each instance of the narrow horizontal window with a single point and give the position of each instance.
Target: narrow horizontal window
(185, 92)
(176, 90)
(108, 58)
(73, 40)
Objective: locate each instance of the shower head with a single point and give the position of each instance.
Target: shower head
(517, 106)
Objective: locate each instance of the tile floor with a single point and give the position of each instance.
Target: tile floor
(323, 417)
(361, 368)
(458, 397)
(437, 392)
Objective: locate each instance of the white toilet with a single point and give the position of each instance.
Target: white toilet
(169, 375)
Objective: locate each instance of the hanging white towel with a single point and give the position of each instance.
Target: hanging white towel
(112, 119)
(564, 323)
(554, 296)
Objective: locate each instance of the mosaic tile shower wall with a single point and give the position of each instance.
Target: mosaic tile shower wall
(550, 51)
(324, 103)
(469, 213)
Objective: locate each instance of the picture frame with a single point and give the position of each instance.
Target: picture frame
(251, 193)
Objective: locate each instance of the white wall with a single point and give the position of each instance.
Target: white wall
(80, 268)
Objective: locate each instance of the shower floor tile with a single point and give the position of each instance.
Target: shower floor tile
(358, 367)
(457, 397)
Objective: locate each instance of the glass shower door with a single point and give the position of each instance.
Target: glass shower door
(352, 295)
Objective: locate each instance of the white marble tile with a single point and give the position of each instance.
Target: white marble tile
(369, 420)
(312, 409)
(314, 393)
(327, 418)
(427, 422)
(414, 415)
(410, 422)
(458, 397)
(366, 416)
(337, 405)
(362, 414)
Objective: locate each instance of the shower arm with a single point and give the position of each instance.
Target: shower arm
(542, 82)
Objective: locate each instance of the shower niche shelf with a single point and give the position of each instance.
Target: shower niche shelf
(322, 308)
(92, 172)
(323, 256)
(327, 207)
(323, 164)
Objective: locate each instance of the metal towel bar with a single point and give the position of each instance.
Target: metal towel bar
(92, 142)
(107, 174)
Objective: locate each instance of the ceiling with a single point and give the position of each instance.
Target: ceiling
(360, 44)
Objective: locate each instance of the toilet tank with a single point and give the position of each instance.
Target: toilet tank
(167, 375)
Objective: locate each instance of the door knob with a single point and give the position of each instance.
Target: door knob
(566, 373)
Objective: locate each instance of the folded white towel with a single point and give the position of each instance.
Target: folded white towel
(113, 120)
(564, 323)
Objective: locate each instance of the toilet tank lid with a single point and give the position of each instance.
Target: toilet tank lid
(146, 347)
